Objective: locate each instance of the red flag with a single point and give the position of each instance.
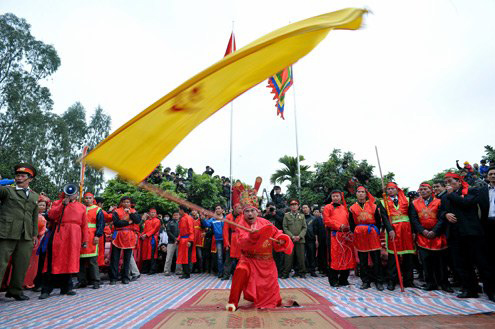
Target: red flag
(231, 46)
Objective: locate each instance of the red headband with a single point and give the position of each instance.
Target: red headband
(152, 209)
(400, 194)
(392, 184)
(89, 194)
(371, 198)
(426, 185)
(465, 185)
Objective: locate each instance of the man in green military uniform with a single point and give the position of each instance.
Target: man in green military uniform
(295, 227)
(18, 227)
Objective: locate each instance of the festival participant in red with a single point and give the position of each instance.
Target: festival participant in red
(199, 241)
(149, 247)
(398, 206)
(187, 253)
(336, 218)
(256, 275)
(89, 271)
(107, 230)
(124, 238)
(70, 234)
(365, 220)
(231, 242)
(430, 238)
(33, 262)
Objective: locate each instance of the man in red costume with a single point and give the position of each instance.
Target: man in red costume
(107, 230)
(231, 241)
(88, 267)
(70, 233)
(199, 238)
(256, 275)
(125, 237)
(149, 247)
(430, 238)
(336, 218)
(365, 220)
(185, 241)
(398, 214)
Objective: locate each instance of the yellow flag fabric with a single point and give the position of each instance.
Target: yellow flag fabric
(137, 147)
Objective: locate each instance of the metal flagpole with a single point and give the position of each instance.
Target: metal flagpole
(297, 140)
(231, 138)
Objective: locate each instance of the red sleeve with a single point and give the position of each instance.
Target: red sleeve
(190, 228)
(156, 227)
(326, 215)
(108, 216)
(84, 227)
(226, 226)
(41, 225)
(56, 211)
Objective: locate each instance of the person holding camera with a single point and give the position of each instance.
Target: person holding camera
(125, 238)
(18, 227)
(70, 234)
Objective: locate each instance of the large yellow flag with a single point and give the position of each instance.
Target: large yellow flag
(137, 147)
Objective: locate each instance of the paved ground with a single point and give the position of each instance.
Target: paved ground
(484, 321)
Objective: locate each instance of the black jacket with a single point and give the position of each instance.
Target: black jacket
(466, 211)
(312, 228)
(172, 230)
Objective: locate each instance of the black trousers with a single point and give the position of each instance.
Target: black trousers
(434, 266)
(149, 265)
(89, 272)
(406, 268)
(373, 274)
(468, 252)
(39, 275)
(310, 248)
(51, 281)
(114, 263)
(338, 276)
(229, 265)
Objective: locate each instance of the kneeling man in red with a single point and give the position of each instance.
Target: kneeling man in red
(256, 274)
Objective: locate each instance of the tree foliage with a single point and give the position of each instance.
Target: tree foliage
(29, 130)
(289, 172)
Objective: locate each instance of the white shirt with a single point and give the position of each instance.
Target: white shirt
(17, 188)
(163, 237)
(491, 195)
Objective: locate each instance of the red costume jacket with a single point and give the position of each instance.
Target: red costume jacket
(366, 233)
(399, 219)
(69, 233)
(341, 245)
(125, 237)
(428, 219)
(231, 235)
(151, 229)
(186, 234)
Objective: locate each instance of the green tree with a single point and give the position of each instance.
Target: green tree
(289, 172)
(490, 153)
(205, 191)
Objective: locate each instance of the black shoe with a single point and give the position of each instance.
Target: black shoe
(96, 285)
(491, 297)
(113, 282)
(344, 283)
(184, 276)
(44, 295)
(302, 276)
(314, 275)
(80, 285)
(225, 278)
(283, 277)
(410, 285)
(429, 287)
(334, 284)
(134, 278)
(391, 286)
(379, 286)
(152, 273)
(467, 294)
(365, 285)
(447, 288)
(21, 296)
(70, 293)
(36, 289)
(125, 281)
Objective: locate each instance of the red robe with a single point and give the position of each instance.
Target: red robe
(341, 244)
(125, 237)
(103, 239)
(256, 274)
(199, 237)
(68, 236)
(428, 219)
(366, 234)
(231, 236)
(399, 219)
(151, 229)
(186, 234)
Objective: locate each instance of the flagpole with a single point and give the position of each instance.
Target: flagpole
(231, 139)
(297, 140)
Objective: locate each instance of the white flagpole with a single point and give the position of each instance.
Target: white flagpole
(297, 140)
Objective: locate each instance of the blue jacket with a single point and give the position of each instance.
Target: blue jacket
(216, 225)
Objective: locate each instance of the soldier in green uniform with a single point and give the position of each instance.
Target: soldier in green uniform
(295, 227)
(18, 227)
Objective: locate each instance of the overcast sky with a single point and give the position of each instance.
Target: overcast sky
(417, 80)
